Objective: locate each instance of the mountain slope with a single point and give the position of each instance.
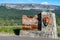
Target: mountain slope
(16, 15)
(31, 6)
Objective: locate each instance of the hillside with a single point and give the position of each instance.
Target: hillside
(31, 6)
(14, 16)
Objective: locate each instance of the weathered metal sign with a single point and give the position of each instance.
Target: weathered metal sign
(29, 22)
(44, 22)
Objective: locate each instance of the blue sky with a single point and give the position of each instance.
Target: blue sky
(53, 2)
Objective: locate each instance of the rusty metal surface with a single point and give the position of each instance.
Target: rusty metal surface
(29, 23)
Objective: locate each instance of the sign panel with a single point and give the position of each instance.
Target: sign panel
(29, 22)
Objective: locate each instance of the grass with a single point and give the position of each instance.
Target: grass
(9, 29)
(58, 30)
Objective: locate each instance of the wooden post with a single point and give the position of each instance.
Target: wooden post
(39, 21)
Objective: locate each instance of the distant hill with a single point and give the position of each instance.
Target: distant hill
(12, 13)
(31, 6)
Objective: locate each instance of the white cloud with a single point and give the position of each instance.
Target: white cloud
(45, 3)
